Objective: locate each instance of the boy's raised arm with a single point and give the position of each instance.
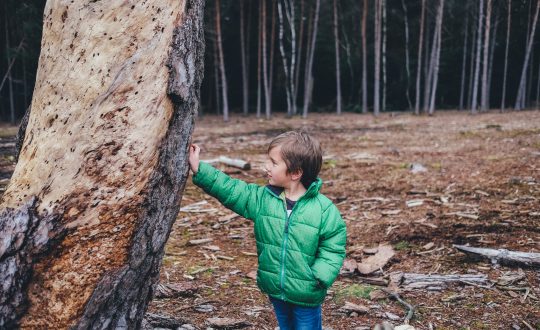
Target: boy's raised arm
(235, 194)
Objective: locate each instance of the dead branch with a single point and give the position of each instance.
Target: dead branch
(410, 308)
(503, 256)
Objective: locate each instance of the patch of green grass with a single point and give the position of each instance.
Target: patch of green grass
(470, 134)
(437, 166)
(403, 245)
(522, 132)
(353, 291)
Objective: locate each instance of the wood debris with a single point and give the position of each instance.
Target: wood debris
(227, 323)
(200, 241)
(174, 290)
(349, 307)
(503, 256)
(377, 261)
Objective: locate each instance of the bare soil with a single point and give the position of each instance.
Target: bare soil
(481, 186)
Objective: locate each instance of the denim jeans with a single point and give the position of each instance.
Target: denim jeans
(295, 317)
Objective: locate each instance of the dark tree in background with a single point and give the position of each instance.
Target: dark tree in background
(476, 69)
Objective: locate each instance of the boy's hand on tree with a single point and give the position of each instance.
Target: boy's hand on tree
(194, 151)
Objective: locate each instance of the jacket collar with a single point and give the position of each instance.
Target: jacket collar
(312, 190)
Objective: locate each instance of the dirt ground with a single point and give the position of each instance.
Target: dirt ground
(472, 180)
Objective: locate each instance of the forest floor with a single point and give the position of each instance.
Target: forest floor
(418, 184)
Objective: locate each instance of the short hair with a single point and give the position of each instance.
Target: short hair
(302, 152)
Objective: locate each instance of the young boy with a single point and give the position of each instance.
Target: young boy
(299, 232)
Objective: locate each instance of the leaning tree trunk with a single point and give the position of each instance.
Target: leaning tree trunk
(474, 100)
(100, 175)
(464, 63)
(407, 57)
(520, 98)
(223, 75)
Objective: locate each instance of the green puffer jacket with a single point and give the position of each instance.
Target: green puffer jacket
(299, 257)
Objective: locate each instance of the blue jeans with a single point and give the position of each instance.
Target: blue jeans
(295, 317)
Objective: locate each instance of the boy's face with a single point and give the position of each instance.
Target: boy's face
(276, 170)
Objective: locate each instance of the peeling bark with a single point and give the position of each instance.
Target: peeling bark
(103, 164)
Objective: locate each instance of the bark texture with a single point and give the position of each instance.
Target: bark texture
(103, 163)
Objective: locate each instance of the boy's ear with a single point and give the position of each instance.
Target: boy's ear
(297, 175)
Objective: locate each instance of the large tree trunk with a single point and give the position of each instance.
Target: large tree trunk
(419, 61)
(508, 21)
(84, 220)
(520, 99)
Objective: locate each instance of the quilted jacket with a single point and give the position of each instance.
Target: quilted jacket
(299, 256)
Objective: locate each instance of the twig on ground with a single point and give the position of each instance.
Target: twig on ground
(410, 307)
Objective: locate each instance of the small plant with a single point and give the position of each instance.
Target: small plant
(403, 245)
(329, 163)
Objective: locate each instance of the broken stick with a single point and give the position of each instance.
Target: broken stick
(238, 163)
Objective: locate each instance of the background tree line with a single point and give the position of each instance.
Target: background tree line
(298, 56)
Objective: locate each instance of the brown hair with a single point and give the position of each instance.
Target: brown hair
(302, 152)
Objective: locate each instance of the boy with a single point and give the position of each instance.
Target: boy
(299, 232)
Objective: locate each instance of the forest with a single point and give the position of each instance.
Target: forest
(428, 122)
(303, 56)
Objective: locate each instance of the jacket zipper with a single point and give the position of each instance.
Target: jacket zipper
(284, 248)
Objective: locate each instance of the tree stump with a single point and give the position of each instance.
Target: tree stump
(103, 165)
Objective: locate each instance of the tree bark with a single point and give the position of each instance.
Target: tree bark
(299, 54)
(492, 45)
(222, 63)
(336, 46)
(383, 23)
(259, 62)
(508, 24)
(419, 62)
(265, 62)
(103, 165)
(520, 99)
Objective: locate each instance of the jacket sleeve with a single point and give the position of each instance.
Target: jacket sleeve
(331, 251)
(234, 194)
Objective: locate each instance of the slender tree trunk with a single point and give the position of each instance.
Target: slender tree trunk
(471, 64)
(377, 54)
(100, 176)
(222, 63)
(478, 55)
(520, 99)
(528, 82)
(428, 87)
(484, 97)
(336, 45)
(364, 59)
(435, 79)
(407, 59)
(492, 55)
(308, 85)
(259, 61)
(216, 77)
(383, 22)
(299, 55)
(464, 62)
(272, 48)
(9, 80)
(245, 90)
(284, 59)
(419, 62)
(290, 14)
(266, 88)
(508, 24)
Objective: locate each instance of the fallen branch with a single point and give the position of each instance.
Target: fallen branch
(410, 308)
(421, 281)
(503, 256)
(238, 163)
